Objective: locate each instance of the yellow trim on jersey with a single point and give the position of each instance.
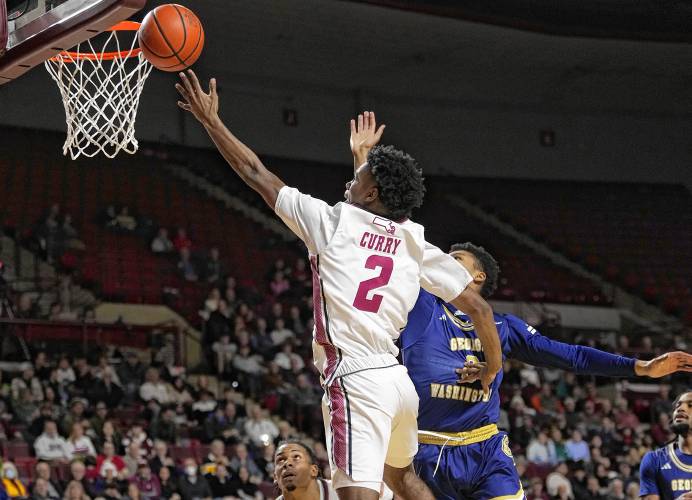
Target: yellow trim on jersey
(458, 438)
(519, 495)
(465, 326)
(676, 460)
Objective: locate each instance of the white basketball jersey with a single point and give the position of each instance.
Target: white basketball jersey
(367, 273)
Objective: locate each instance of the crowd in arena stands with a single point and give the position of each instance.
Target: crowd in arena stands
(54, 234)
(124, 425)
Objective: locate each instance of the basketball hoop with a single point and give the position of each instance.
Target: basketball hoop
(100, 89)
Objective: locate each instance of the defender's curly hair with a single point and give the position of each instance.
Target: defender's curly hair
(399, 179)
(485, 263)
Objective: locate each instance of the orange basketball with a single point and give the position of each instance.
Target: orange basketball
(171, 37)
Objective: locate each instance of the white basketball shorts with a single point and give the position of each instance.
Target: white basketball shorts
(370, 419)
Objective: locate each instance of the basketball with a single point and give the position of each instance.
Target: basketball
(171, 37)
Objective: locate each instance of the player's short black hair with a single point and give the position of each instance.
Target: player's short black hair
(399, 179)
(485, 262)
(310, 452)
(677, 399)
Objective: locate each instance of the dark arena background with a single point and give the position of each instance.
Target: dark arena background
(154, 302)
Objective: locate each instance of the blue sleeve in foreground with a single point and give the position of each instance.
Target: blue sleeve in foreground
(418, 319)
(528, 345)
(647, 476)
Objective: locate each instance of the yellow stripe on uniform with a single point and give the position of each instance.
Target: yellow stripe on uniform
(678, 463)
(519, 495)
(458, 438)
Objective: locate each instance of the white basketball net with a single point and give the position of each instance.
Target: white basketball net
(100, 95)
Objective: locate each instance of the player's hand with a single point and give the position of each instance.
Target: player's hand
(203, 106)
(665, 364)
(471, 372)
(474, 371)
(685, 496)
(364, 135)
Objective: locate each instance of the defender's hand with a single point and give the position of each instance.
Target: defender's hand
(470, 373)
(665, 364)
(364, 135)
(203, 106)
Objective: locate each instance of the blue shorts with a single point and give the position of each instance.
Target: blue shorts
(479, 471)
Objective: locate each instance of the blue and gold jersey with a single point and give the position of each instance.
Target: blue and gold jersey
(666, 472)
(438, 339)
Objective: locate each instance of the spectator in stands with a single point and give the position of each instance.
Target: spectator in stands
(186, 266)
(593, 489)
(50, 446)
(110, 461)
(162, 243)
(287, 359)
(25, 408)
(242, 459)
(577, 448)
(279, 285)
(70, 234)
(109, 434)
(65, 375)
(131, 374)
(260, 429)
(191, 485)
(624, 417)
(558, 479)
(179, 393)
(164, 426)
(75, 415)
(138, 435)
(27, 307)
(296, 323)
(213, 269)
(250, 367)
(43, 473)
(221, 424)
(221, 483)
(536, 492)
(154, 389)
(147, 484)
(125, 221)
(280, 334)
(78, 445)
(217, 456)
(106, 390)
(78, 474)
(169, 487)
(42, 491)
(541, 450)
(133, 456)
(75, 491)
(161, 457)
(11, 482)
(224, 350)
(182, 240)
(246, 489)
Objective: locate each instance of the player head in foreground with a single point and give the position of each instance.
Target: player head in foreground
(368, 263)
(297, 473)
(666, 473)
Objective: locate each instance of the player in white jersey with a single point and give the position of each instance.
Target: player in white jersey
(368, 262)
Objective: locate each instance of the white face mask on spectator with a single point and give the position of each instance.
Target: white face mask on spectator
(10, 473)
(191, 470)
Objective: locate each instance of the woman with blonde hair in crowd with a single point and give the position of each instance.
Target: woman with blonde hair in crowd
(75, 491)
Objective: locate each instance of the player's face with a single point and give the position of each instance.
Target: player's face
(292, 467)
(682, 414)
(359, 190)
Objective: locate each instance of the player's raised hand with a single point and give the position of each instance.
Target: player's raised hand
(665, 364)
(364, 135)
(204, 106)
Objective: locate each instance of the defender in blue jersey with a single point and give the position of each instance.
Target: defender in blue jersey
(666, 473)
(462, 453)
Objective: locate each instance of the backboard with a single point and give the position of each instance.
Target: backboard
(39, 29)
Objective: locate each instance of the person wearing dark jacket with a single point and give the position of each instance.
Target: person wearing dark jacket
(192, 485)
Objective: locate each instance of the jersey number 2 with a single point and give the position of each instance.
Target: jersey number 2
(362, 302)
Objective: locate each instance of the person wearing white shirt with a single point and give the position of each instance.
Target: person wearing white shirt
(260, 429)
(280, 334)
(154, 388)
(50, 445)
(79, 445)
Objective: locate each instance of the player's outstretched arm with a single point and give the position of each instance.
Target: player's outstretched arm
(481, 314)
(365, 135)
(664, 365)
(205, 107)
